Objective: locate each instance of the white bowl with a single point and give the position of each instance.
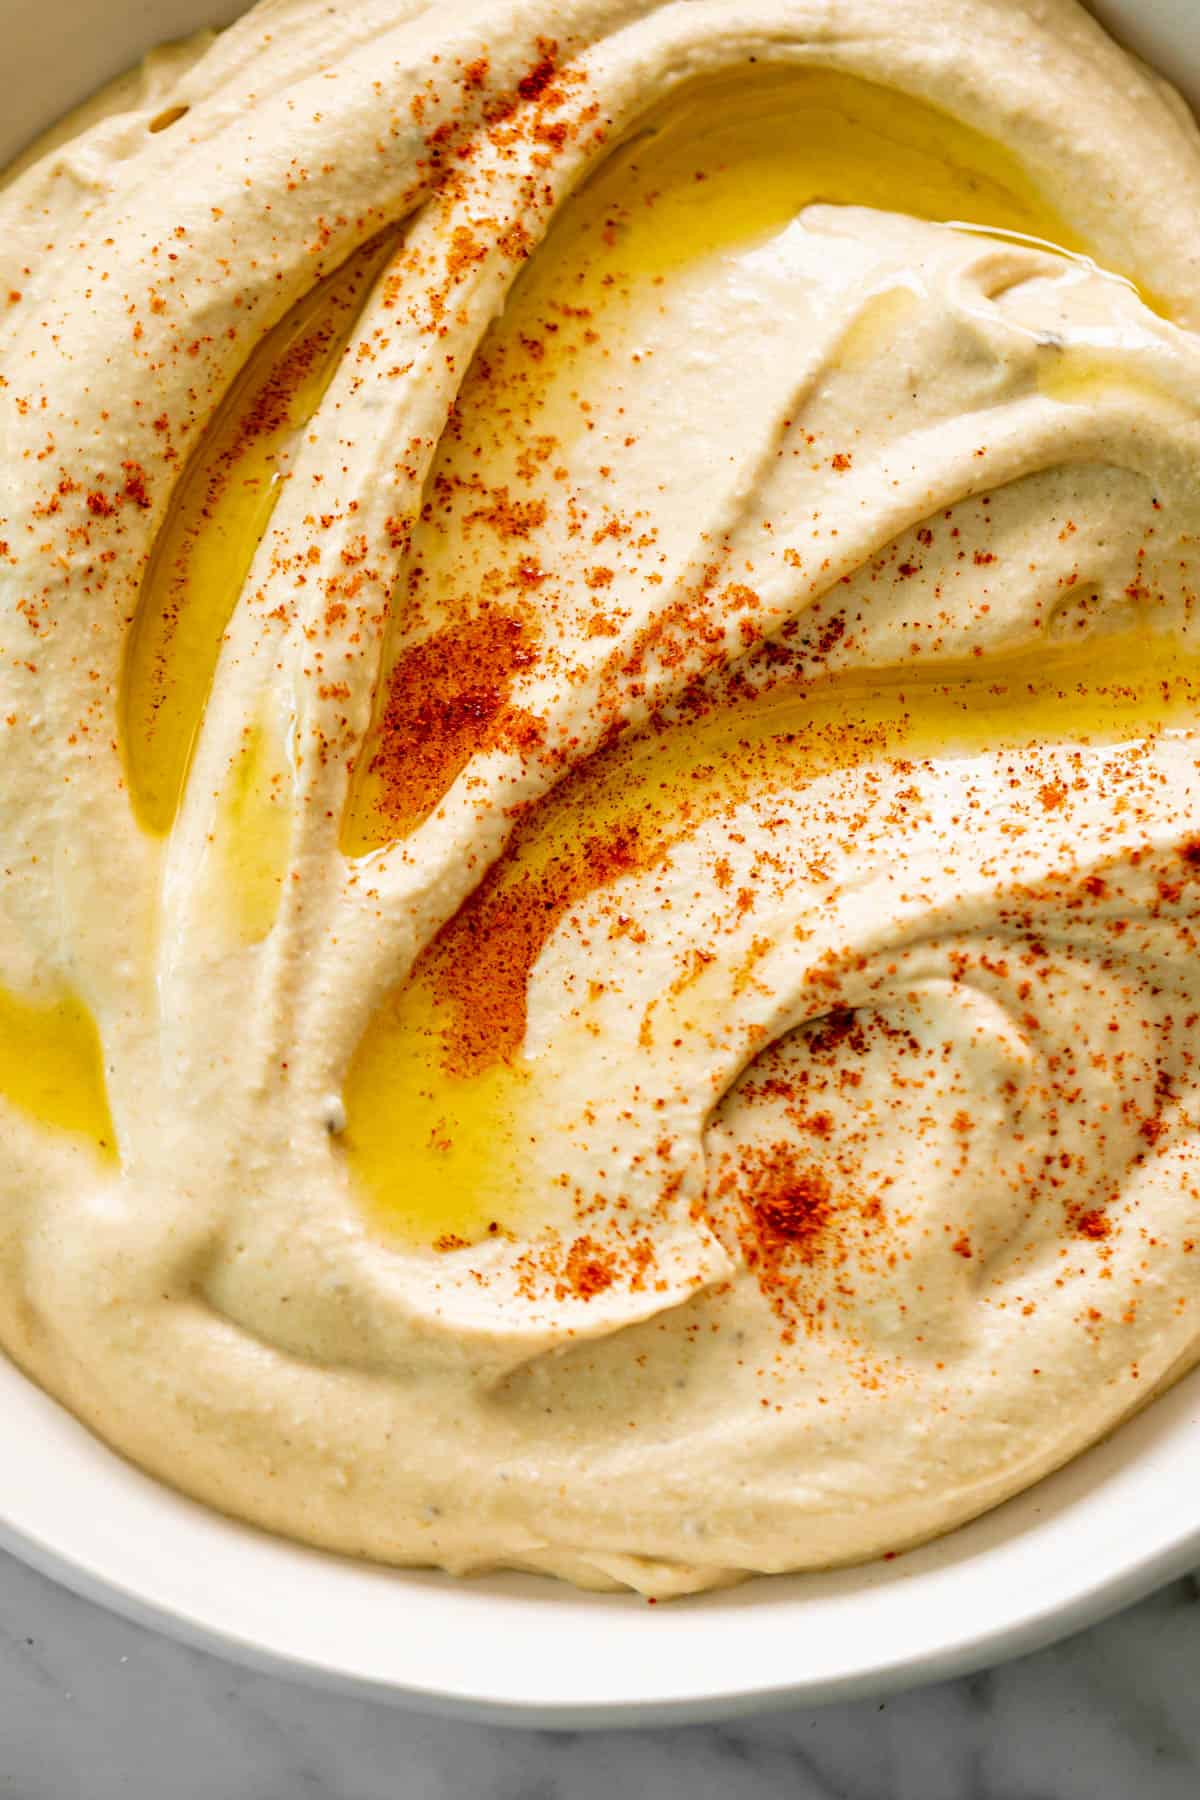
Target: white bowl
(1106, 1529)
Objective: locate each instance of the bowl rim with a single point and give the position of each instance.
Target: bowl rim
(1098, 1534)
(985, 1650)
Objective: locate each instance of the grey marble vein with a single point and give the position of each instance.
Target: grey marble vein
(94, 1707)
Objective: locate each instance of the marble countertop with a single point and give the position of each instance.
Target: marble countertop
(93, 1706)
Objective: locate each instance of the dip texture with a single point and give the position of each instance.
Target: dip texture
(601, 817)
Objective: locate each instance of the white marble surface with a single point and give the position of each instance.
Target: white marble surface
(91, 1706)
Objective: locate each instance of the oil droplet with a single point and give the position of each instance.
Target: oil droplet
(216, 520)
(51, 1067)
(718, 171)
(440, 1120)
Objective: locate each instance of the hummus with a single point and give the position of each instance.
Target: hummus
(601, 819)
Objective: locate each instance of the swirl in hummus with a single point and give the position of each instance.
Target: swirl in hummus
(601, 817)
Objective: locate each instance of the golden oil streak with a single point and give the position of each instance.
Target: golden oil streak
(217, 518)
(252, 835)
(721, 167)
(435, 1154)
(769, 144)
(52, 1068)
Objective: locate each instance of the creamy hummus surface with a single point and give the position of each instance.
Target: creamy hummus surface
(599, 674)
